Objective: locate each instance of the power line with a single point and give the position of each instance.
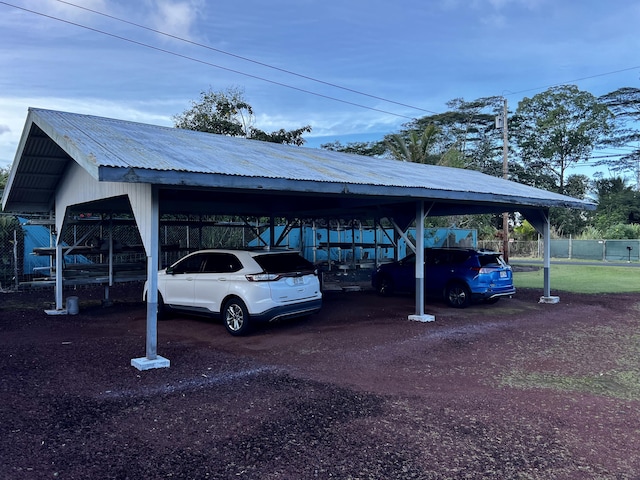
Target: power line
(577, 80)
(290, 72)
(204, 62)
(313, 79)
(208, 47)
(246, 59)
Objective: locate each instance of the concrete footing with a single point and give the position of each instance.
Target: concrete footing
(549, 300)
(144, 363)
(422, 318)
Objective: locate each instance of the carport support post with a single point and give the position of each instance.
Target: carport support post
(546, 234)
(152, 359)
(59, 280)
(420, 315)
(540, 220)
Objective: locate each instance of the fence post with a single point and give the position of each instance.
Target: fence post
(15, 258)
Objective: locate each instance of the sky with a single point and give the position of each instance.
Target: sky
(354, 70)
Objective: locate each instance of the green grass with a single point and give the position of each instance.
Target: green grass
(600, 360)
(583, 279)
(623, 385)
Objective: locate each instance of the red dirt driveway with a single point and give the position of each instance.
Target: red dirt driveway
(516, 390)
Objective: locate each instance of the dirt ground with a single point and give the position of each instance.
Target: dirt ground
(517, 390)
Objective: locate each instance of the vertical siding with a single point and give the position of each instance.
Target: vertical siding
(78, 186)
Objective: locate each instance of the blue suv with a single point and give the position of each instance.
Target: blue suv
(459, 276)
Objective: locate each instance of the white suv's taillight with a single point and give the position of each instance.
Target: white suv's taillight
(263, 277)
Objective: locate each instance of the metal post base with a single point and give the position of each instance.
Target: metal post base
(143, 363)
(422, 318)
(549, 300)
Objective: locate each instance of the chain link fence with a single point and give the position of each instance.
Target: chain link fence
(27, 246)
(570, 249)
(11, 245)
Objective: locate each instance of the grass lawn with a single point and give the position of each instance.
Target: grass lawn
(583, 279)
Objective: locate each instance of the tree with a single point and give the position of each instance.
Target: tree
(559, 128)
(4, 178)
(289, 137)
(569, 221)
(228, 113)
(618, 203)
(467, 135)
(413, 146)
(625, 105)
(370, 149)
(464, 137)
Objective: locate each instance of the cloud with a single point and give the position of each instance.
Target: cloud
(15, 109)
(501, 4)
(176, 17)
(69, 12)
(332, 124)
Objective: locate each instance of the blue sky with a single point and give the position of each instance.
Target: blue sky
(421, 53)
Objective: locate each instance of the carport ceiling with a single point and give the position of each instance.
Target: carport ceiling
(212, 174)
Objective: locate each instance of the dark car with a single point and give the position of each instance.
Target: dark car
(459, 276)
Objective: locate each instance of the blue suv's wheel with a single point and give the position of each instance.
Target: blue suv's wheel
(457, 295)
(385, 286)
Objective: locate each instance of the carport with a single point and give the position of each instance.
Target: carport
(68, 163)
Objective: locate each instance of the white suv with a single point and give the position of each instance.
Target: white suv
(241, 286)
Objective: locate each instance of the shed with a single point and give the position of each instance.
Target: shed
(69, 162)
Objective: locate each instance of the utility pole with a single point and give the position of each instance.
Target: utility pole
(505, 175)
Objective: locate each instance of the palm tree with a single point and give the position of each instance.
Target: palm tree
(413, 147)
(418, 148)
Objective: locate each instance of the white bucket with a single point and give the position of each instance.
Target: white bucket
(72, 305)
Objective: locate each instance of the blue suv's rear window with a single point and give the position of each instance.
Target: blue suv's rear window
(489, 260)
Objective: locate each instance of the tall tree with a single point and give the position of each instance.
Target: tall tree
(370, 149)
(463, 137)
(228, 113)
(413, 146)
(625, 105)
(569, 221)
(618, 203)
(4, 177)
(467, 132)
(559, 128)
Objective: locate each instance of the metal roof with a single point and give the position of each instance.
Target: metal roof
(193, 167)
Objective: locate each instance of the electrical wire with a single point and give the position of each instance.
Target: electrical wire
(246, 59)
(576, 80)
(204, 62)
(282, 70)
(313, 79)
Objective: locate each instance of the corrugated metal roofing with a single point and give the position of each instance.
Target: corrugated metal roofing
(117, 150)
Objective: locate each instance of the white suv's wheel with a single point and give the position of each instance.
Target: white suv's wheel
(236, 317)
